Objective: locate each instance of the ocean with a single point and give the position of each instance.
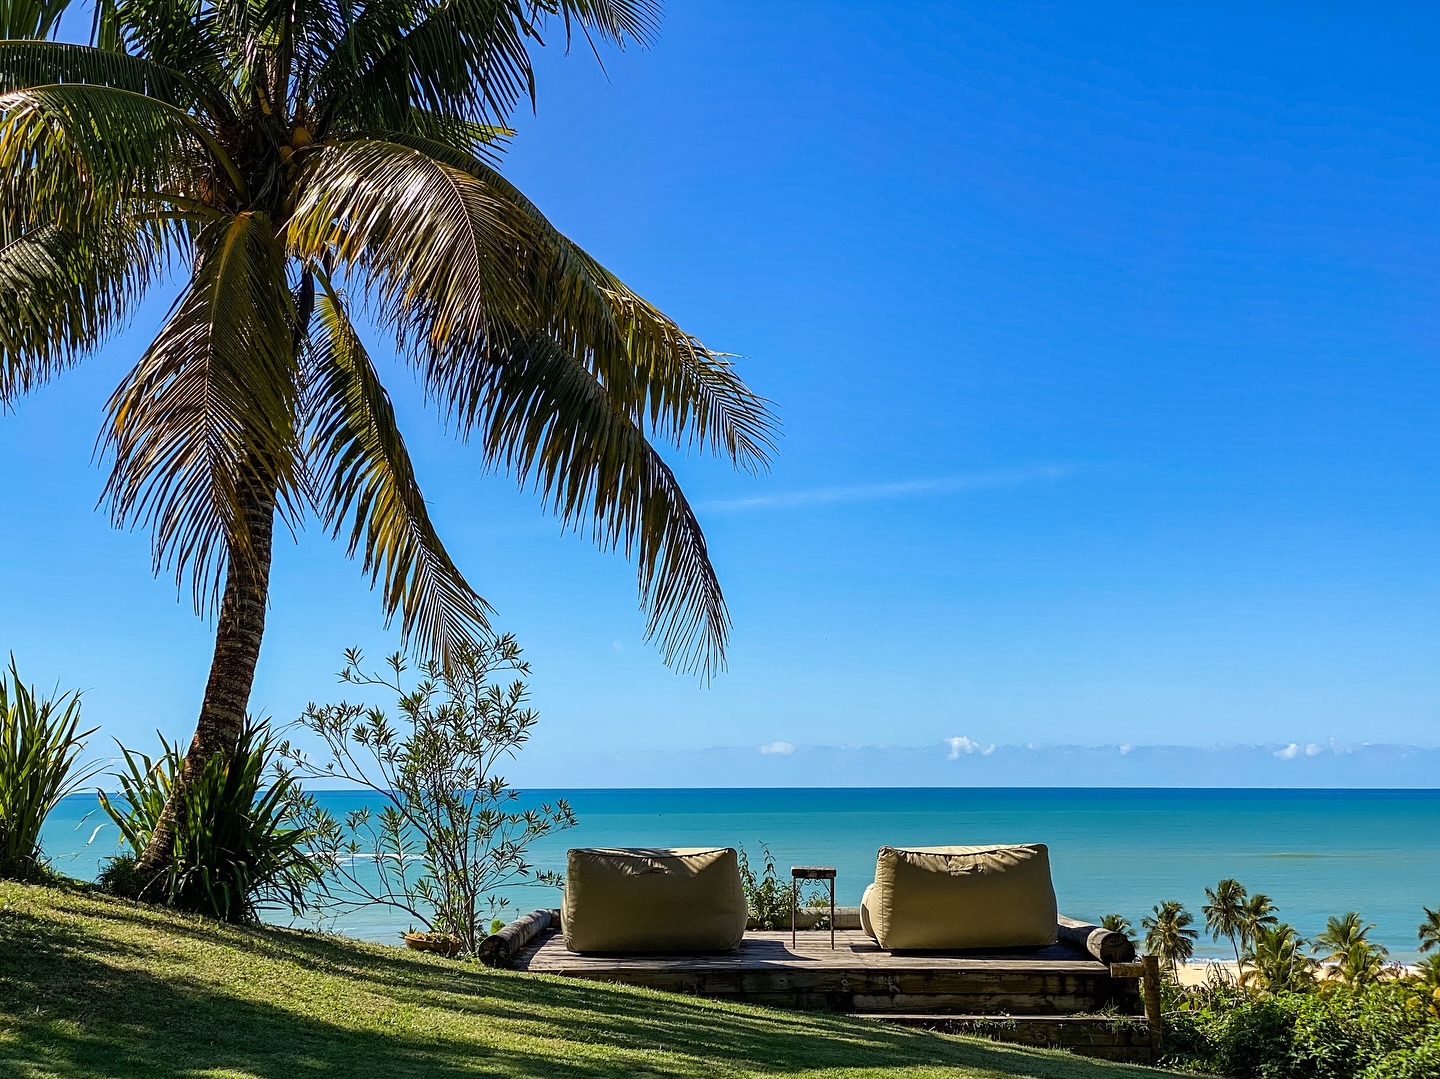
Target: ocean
(1316, 853)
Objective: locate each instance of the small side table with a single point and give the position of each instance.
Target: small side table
(810, 872)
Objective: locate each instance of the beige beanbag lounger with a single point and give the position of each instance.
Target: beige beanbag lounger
(953, 898)
(637, 899)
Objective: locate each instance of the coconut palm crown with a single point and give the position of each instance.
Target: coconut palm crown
(1277, 960)
(295, 165)
(1429, 931)
(1260, 912)
(1225, 913)
(1168, 934)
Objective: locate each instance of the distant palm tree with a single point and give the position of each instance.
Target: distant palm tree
(301, 164)
(1428, 971)
(1168, 934)
(1362, 964)
(1118, 923)
(1346, 947)
(1260, 913)
(1430, 930)
(1225, 913)
(1276, 960)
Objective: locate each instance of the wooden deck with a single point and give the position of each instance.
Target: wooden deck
(857, 977)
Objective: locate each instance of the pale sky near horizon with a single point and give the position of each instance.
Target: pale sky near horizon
(1104, 338)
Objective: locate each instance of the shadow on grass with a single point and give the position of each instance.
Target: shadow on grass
(94, 993)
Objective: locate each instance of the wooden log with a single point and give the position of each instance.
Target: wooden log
(499, 949)
(1104, 944)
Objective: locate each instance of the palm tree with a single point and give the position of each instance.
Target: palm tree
(1361, 964)
(1430, 930)
(1277, 960)
(1428, 973)
(1259, 913)
(1225, 913)
(1118, 923)
(1168, 934)
(303, 162)
(1345, 945)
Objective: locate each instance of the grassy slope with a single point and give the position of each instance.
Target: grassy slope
(91, 986)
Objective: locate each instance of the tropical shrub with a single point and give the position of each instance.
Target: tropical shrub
(449, 831)
(240, 846)
(40, 745)
(769, 898)
(1385, 1030)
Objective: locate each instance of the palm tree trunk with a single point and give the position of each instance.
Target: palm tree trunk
(238, 631)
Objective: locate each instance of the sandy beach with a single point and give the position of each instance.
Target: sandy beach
(1192, 974)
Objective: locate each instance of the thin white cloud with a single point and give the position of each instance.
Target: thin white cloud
(967, 746)
(877, 492)
(780, 749)
(1289, 753)
(1313, 749)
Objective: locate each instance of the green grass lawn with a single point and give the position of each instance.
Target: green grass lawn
(92, 986)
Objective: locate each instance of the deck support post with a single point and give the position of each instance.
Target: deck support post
(1150, 986)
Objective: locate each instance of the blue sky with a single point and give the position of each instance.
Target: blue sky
(1104, 337)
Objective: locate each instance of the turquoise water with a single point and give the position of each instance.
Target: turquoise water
(1316, 853)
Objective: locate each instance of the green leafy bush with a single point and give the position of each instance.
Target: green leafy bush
(238, 847)
(769, 897)
(40, 743)
(1386, 1030)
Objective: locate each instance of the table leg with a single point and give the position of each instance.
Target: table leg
(794, 904)
(832, 914)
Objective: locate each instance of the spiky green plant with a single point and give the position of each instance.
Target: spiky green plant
(40, 746)
(238, 849)
(297, 165)
(1118, 923)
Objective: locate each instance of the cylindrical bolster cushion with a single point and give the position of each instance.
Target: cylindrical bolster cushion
(933, 898)
(653, 900)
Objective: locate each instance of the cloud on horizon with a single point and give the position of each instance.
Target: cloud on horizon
(783, 749)
(967, 746)
(964, 761)
(877, 492)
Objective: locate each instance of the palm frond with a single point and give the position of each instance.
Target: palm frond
(62, 292)
(661, 375)
(547, 420)
(615, 21)
(462, 58)
(469, 59)
(207, 415)
(182, 35)
(30, 18)
(363, 477)
(433, 247)
(71, 151)
(25, 64)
